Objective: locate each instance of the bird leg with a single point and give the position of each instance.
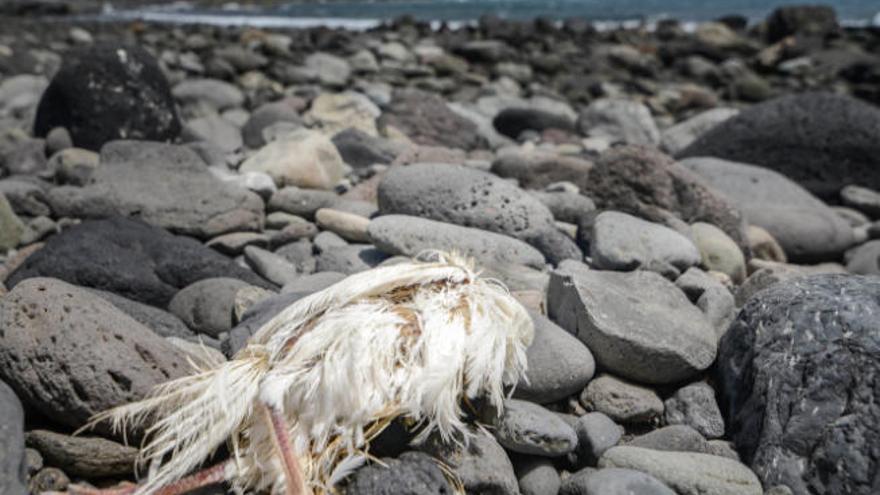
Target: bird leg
(209, 476)
(293, 476)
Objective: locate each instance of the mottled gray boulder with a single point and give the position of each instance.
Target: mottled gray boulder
(613, 481)
(129, 258)
(820, 140)
(619, 120)
(472, 198)
(97, 358)
(88, 457)
(482, 466)
(638, 325)
(12, 458)
(806, 228)
(207, 305)
(559, 364)
(797, 375)
(687, 473)
(528, 428)
(623, 242)
(164, 185)
(413, 473)
(695, 405)
(410, 236)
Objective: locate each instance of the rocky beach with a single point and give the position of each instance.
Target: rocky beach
(691, 215)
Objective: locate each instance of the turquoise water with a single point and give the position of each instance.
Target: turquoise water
(363, 14)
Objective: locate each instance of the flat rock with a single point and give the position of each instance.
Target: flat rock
(797, 376)
(559, 364)
(622, 401)
(302, 158)
(685, 472)
(613, 481)
(638, 325)
(106, 92)
(806, 228)
(270, 266)
(12, 456)
(820, 140)
(566, 206)
(164, 185)
(623, 242)
(129, 258)
(472, 198)
(349, 226)
(410, 236)
(89, 457)
(528, 428)
(267, 115)
(216, 130)
(70, 354)
(641, 181)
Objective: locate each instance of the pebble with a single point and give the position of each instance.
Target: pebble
(11, 227)
(536, 475)
(89, 457)
(619, 120)
(482, 467)
(695, 405)
(613, 481)
(348, 226)
(719, 252)
(622, 401)
(12, 451)
(233, 244)
(862, 199)
(207, 305)
(302, 158)
(527, 428)
(270, 266)
(596, 433)
(349, 259)
(674, 438)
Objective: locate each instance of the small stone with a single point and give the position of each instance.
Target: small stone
(596, 433)
(233, 244)
(622, 401)
(675, 438)
(11, 227)
(862, 199)
(74, 166)
(349, 259)
(695, 405)
(88, 457)
(207, 305)
(349, 226)
(413, 473)
(482, 467)
(764, 246)
(48, 479)
(214, 93)
(270, 266)
(613, 481)
(528, 428)
(536, 475)
(302, 158)
(620, 120)
(719, 252)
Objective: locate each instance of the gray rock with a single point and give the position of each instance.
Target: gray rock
(213, 93)
(313, 282)
(864, 259)
(596, 433)
(482, 466)
(619, 120)
(207, 305)
(471, 198)
(623, 242)
(719, 253)
(675, 438)
(613, 481)
(638, 325)
(538, 169)
(862, 199)
(360, 150)
(89, 457)
(803, 225)
(161, 322)
(622, 401)
(694, 405)
(11, 227)
(685, 472)
(48, 480)
(215, 130)
(326, 241)
(74, 166)
(331, 70)
(99, 358)
(681, 135)
(350, 259)
(566, 206)
(26, 196)
(410, 236)
(270, 266)
(255, 317)
(797, 377)
(233, 244)
(12, 455)
(413, 473)
(300, 255)
(426, 119)
(559, 364)
(695, 282)
(265, 116)
(305, 202)
(164, 185)
(536, 475)
(528, 428)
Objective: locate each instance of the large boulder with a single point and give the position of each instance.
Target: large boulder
(12, 461)
(638, 325)
(473, 198)
(822, 141)
(70, 354)
(798, 373)
(129, 258)
(426, 119)
(107, 92)
(806, 228)
(165, 185)
(644, 182)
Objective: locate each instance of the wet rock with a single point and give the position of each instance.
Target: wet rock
(805, 348)
(511, 122)
(71, 354)
(638, 325)
(128, 258)
(106, 92)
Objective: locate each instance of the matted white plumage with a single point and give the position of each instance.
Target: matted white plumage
(299, 404)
